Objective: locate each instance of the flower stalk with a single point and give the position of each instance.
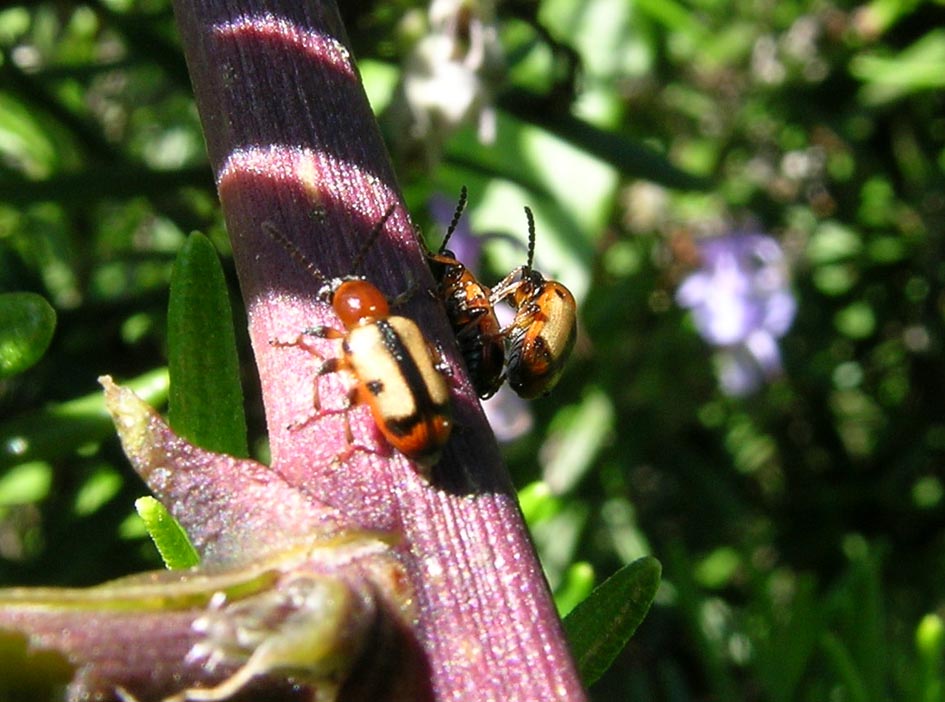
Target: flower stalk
(293, 142)
(341, 570)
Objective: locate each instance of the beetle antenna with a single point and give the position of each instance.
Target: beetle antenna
(531, 239)
(372, 237)
(460, 206)
(294, 251)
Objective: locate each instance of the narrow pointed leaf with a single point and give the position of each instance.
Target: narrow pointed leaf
(168, 536)
(206, 399)
(601, 625)
(27, 322)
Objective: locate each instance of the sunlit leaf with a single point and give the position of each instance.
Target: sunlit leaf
(25, 483)
(100, 487)
(601, 625)
(206, 398)
(919, 67)
(27, 323)
(168, 536)
(930, 644)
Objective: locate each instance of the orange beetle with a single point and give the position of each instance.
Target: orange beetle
(471, 313)
(388, 356)
(541, 336)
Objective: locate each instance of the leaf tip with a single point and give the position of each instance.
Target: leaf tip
(129, 413)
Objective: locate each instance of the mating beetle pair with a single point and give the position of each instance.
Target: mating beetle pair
(394, 366)
(538, 340)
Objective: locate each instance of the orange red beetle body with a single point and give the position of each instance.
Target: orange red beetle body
(393, 365)
(541, 336)
(471, 314)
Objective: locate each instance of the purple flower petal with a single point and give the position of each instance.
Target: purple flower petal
(741, 303)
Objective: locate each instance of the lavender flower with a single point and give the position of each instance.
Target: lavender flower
(741, 304)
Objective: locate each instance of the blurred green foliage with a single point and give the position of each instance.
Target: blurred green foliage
(26, 327)
(801, 530)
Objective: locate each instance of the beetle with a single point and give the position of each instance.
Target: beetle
(391, 361)
(471, 313)
(541, 336)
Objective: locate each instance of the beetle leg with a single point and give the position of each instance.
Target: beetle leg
(323, 332)
(412, 287)
(331, 365)
(441, 366)
(508, 285)
(349, 435)
(299, 341)
(472, 327)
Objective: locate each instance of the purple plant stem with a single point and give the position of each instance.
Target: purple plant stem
(292, 141)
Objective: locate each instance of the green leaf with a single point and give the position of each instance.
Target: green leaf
(930, 643)
(919, 67)
(27, 322)
(601, 625)
(675, 16)
(24, 140)
(785, 636)
(581, 431)
(833, 242)
(841, 661)
(691, 605)
(856, 321)
(630, 157)
(61, 428)
(168, 536)
(206, 399)
(718, 568)
(25, 483)
(538, 503)
(102, 485)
